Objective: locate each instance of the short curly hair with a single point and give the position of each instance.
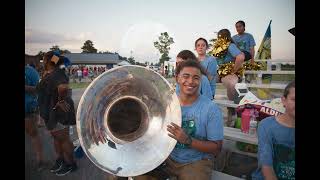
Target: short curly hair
(188, 63)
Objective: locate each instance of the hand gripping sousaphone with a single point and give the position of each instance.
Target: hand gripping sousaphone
(128, 108)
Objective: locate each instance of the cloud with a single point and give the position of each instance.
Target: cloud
(34, 48)
(139, 39)
(37, 40)
(36, 36)
(43, 37)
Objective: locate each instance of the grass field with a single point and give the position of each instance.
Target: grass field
(280, 77)
(78, 85)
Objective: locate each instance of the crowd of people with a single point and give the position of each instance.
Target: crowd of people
(200, 137)
(83, 72)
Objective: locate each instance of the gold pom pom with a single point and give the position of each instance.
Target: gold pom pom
(256, 66)
(226, 69)
(220, 47)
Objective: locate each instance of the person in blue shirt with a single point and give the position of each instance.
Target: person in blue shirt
(31, 77)
(232, 54)
(199, 139)
(244, 41)
(205, 88)
(209, 63)
(276, 141)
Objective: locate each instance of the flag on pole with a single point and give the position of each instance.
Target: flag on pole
(264, 51)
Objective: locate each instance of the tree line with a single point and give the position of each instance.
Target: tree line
(163, 45)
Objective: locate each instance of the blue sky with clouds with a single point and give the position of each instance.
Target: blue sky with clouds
(123, 26)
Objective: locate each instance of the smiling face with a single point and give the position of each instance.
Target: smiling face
(189, 80)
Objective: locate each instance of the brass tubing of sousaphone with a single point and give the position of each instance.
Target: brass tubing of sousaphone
(131, 107)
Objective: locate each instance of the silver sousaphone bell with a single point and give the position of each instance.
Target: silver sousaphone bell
(128, 108)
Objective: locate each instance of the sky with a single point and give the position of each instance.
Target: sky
(129, 27)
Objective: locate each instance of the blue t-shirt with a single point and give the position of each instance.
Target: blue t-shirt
(210, 66)
(31, 78)
(276, 148)
(233, 51)
(203, 121)
(244, 41)
(204, 88)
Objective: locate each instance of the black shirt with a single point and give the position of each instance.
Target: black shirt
(48, 95)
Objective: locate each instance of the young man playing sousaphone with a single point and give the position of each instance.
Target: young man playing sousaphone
(201, 133)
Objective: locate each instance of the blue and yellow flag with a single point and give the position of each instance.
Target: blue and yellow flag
(264, 51)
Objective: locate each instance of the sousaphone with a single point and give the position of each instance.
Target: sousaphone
(128, 108)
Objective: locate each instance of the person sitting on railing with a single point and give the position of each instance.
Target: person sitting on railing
(230, 60)
(244, 41)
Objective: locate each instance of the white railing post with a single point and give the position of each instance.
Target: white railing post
(259, 78)
(269, 66)
(278, 67)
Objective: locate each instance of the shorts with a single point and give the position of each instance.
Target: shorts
(59, 127)
(247, 55)
(32, 114)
